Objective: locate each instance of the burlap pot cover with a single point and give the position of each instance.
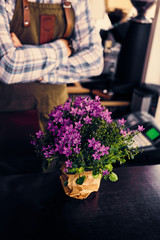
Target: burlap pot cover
(74, 190)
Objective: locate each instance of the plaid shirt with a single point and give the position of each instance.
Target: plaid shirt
(50, 61)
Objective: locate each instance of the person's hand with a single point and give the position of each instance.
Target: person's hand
(69, 51)
(15, 40)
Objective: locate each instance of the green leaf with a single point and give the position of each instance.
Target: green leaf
(95, 175)
(72, 170)
(65, 183)
(122, 161)
(109, 167)
(113, 177)
(113, 160)
(80, 170)
(105, 177)
(80, 180)
(113, 149)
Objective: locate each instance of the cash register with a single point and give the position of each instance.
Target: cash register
(149, 140)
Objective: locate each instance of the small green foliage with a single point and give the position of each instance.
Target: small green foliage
(113, 177)
(109, 167)
(72, 170)
(80, 180)
(65, 183)
(95, 176)
(105, 177)
(80, 170)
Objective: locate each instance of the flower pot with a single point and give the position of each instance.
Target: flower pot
(77, 191)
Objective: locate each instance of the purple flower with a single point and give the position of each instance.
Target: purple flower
(122, 121)
(51, 151)
(66, 170)
(129, 131)
(97, 98)
(123, 132)
(81, 104)
(88, 108)
(68, 163)
(109, 120)
(91, 142)
(46, 154)
(87, 120)
(104, 150)
(40, 134)
(49, 125)
(54, 130)
(105, 172)
(58, 148)
(33, 142)
(78, 125)
(96, 156)
(141, 128)
(81, 112)
(76, 150)
(86, 100)
(57, 116)
(106, 115)
(74, 111)
(67, 151)
(96, 145)
(46, 148)
(95, 113)
(77, 101)
(67, 106)
(76, 141)
(66, 122)
(69, 129)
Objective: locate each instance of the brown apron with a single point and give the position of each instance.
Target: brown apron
(30, 29)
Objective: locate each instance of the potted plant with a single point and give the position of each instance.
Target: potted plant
(84, 139)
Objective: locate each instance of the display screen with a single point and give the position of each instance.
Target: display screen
(152, 133)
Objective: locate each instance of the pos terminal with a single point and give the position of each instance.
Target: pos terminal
(149, 140)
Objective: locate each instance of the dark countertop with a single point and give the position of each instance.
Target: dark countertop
(34, 206)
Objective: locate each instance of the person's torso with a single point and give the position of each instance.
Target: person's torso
(47, 21)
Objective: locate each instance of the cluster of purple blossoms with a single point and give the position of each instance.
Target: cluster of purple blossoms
(90, 109)
(128, 131)
(48, 151)
(67, 137)
(66, 122)
(74, 130)
(68, 164)
(100, 150)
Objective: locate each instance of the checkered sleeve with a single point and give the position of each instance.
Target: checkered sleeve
(87, 60)
(27, 63)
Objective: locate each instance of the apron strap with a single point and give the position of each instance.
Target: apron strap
(26, 14)
(67, 9)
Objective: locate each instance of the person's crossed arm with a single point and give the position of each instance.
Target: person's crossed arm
(17, 43)
(27, 63)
